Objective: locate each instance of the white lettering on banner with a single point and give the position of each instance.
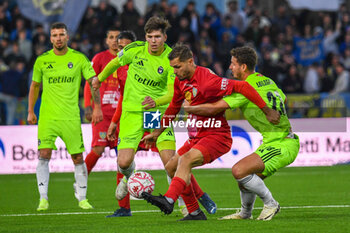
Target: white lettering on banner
(194, 123)
(18, 147)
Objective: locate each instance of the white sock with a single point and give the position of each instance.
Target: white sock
(180, 201)
(127, 172)
(247, 202)
(256, 185)
(81, 178)
(42, 177)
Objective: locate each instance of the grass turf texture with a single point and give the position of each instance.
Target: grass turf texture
(313, 199)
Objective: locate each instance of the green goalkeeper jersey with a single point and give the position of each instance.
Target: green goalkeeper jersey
(148, 75)
(275, 99)
(61, 78)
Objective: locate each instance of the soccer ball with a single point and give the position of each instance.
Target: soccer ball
(140, 182)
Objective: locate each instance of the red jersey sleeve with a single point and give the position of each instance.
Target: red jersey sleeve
(248, 91)
(87, 95)
(175, 104)
(219, 87)
(118, 111)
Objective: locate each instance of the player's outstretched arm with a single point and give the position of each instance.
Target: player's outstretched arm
(250, 93)
(32, 98)
(97, 112)
(107, 71)
(207, 109)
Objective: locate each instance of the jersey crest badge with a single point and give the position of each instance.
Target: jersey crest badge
(194, 92)
(160, 70)
(70, 65)
(103, 135)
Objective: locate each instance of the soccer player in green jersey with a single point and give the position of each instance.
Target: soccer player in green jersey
(280, 145)
(149, 86)
(60, 71)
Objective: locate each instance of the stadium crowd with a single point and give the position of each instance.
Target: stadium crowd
(211, 36)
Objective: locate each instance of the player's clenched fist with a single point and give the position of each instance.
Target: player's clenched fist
(32, 119)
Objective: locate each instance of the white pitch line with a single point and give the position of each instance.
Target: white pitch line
(153, 211)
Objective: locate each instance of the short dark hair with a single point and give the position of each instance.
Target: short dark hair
(113, 29)
(181, 51)
(157, 23)
(127, 35)
(245, 55)
(58, 25)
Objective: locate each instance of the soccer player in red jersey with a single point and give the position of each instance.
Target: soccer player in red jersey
(210, 137)
(111, 91)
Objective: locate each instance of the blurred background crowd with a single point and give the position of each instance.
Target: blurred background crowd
(303, 51)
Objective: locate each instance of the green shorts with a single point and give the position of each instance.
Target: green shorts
(276, 155)
(131, 132)
(68, 131)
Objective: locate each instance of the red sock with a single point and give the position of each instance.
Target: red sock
(198, 192)
(91, 160)
(176, 187)
(125, 202)
(190, 199)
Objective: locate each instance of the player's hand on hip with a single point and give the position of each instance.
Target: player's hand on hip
(97, 116)
(111, 131)
(88, 113)
(149, 140)
(32, 119)
(149, 102)
(96, 83)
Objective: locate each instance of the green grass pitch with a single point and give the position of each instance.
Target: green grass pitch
(313, 199)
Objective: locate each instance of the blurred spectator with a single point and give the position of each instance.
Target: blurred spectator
(13, 54)
(281, 20)
(292, 83)
(130, 16)
(174, 18)
(345, 44)
(85, 47)
(269, 66)
(327, 82)
(106, 14)
(236, 15)
(249, 8)
(329, 41)
(254, 32)
(10, 89)
(229, 29)
(25, 45)
(192, 17)
(223, 50)
(185, 34)
(212, 14)
(312, 80)
(139, 29)
(347, 58)
(20, 26)
(343, 80)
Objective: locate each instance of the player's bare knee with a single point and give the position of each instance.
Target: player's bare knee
(45, 154)
(124, 164)
(78, 158)
(185, 160)
(170, 168)
(238, 172)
